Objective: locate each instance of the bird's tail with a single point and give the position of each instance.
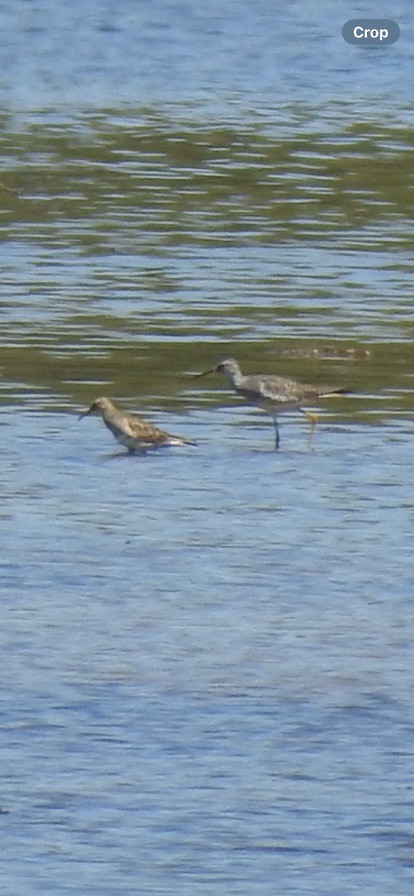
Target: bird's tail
(334, 393)
(177, 441)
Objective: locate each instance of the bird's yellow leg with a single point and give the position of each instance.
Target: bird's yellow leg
(313, 419)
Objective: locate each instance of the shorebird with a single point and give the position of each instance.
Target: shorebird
(131, 431)
(274, 394)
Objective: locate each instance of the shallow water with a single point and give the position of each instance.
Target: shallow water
(207, 652)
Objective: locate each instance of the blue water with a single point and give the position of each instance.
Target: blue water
(202, 687)
(233, 58)
(207, 654)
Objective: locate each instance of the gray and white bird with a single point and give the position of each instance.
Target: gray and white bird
(274, 394)
(130, 430)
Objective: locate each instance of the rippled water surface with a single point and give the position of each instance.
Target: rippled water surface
(207, 652)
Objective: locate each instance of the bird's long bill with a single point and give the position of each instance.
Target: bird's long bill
(84, 414)
(205, 373)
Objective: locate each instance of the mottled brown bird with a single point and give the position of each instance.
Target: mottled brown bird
(274, 394)
(130, 430)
